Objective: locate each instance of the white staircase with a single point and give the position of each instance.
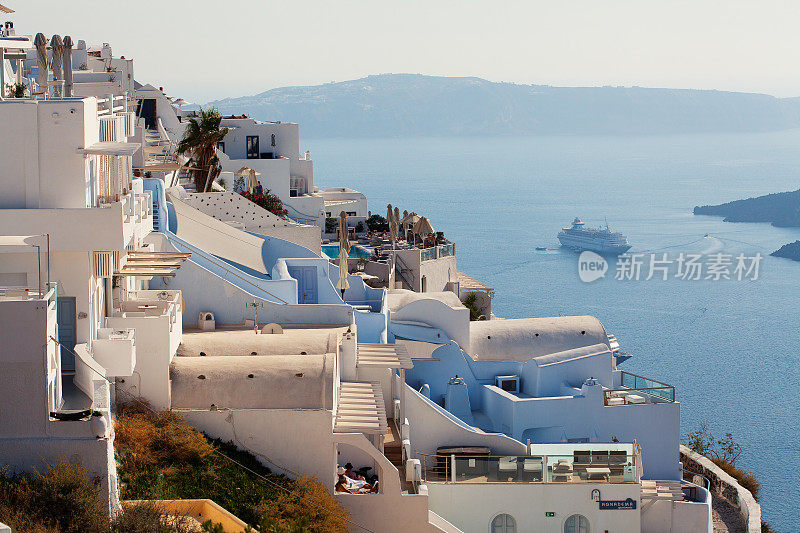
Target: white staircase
(662, 490)
(360, 408)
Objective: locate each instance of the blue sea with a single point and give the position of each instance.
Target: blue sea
(729, 347)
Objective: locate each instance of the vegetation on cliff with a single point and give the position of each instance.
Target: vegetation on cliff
(160, 456)
(780, 209)
(789, 251)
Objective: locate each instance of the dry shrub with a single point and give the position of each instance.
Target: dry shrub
(147, 438)
(62, 499)
(745, 479)
(310, 507)
(149, 517)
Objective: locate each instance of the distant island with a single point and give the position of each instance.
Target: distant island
(789, 251)
(780, 209)
(398, 105)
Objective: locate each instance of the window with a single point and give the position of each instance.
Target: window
(252, 147)
(272, 139)
(504, 523)
(576, 524)
(221, 146)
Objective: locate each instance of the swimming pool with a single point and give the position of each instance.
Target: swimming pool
(356, 252)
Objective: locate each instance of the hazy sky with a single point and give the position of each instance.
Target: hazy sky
(203, 50)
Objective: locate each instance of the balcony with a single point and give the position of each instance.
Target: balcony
(593, 463)
(157, 318)
(634, 390)
(436, 252)
(115, 349)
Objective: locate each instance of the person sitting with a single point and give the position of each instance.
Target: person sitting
(341, 485)
(348, 471)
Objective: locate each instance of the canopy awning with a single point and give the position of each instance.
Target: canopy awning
(152, 255)
(149, 264)
(159, 167)
(20, 240)
(110, 148)
(383, 355)
(360, 408)
(145, 271)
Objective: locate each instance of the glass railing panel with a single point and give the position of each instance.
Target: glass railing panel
(427, 254)
(590, 466)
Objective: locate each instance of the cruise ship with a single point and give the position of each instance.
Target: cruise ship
(601, 240)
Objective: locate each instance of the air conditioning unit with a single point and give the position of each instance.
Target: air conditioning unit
(507, 383)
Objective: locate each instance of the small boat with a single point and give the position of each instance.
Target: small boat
(541, 248)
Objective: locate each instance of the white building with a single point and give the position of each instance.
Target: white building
(68, 180)
(273, 150)
(502, 425)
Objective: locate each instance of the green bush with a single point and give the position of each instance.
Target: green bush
(377, 223)
(470, 302)
(331, 224)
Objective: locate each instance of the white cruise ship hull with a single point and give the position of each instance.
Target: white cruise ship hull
(579, 244)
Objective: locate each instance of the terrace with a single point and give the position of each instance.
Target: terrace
(634, 389)
(551, 463)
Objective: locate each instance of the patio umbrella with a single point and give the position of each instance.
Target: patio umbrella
(249, 175)
(41, 61)
(409, 221)
(392, 221)
(58, 74)
(67, 65)
(344, 254)
(423, 228)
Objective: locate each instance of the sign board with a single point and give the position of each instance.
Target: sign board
(607, 505)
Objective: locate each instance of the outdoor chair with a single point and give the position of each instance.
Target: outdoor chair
(507, 468)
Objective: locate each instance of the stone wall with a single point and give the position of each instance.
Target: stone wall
(725, 485)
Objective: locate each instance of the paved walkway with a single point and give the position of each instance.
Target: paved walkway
(726, 516)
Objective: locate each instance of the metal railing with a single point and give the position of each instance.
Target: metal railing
(401, 268)
(590, 467)
(635, 389)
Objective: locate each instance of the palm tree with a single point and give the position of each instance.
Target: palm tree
(200, 140)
